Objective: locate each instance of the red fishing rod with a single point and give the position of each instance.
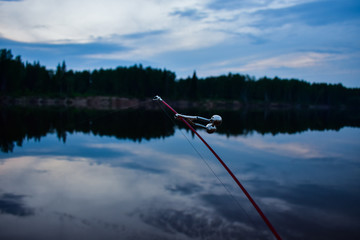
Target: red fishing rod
(211, 127)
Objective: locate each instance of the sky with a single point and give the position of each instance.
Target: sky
(311, 40)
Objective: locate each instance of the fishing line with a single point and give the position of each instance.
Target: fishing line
(247, 194)
(219, 179)
(212, 170)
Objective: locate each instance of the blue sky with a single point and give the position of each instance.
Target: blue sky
(313, 40)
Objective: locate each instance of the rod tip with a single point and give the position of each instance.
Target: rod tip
(157, 98)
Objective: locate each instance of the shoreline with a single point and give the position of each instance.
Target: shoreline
(118, 103)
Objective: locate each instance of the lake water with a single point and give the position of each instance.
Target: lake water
(82, 174)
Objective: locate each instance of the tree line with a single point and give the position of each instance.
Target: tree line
(32, 79)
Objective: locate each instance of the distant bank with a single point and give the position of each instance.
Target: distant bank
(68, 88)
(118, 103)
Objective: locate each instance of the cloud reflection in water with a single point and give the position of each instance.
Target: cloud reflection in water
(161, 190)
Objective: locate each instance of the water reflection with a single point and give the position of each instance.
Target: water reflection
(98, 184)
(13, 204)
(160, 196)
(18, 124)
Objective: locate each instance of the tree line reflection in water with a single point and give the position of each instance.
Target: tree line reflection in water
(20, 123)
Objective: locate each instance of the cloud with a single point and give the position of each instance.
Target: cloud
(72, 49)
(142, 26)
(183, 160)
(190, 13)
(279, 64)
(14, 204)
(185, 188)
(314, 13)
(195, 223)
(255, 5)
(287, 149)
(292, 60)
(277, 203)
(85, 21)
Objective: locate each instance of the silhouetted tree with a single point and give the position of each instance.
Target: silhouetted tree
(193, 94)
(17, 78)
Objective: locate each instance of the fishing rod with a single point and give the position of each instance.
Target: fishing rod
(214, 121)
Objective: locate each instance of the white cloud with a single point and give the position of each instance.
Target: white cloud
(186, 163)
(277, 203)
(79, 21)
(257, 63)
(277, 4)
(292, 60)
(287, 149)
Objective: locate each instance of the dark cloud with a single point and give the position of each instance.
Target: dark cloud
(231, 4)
(108, 226)
(14, 204)
(136, 166)
(193, 14)
(197, 224)
(313, 210)
(184, 189)
(225, 206)
(313, 13)
(324, 197)
(65, 49)
(141, 35)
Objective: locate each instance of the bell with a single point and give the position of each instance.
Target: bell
(210, 128)
(216, 120)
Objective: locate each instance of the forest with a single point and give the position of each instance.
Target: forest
(32, 79)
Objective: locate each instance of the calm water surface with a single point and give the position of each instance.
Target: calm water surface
(91, 184)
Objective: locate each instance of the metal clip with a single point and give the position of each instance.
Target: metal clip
(157, 98)
(210, 127)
